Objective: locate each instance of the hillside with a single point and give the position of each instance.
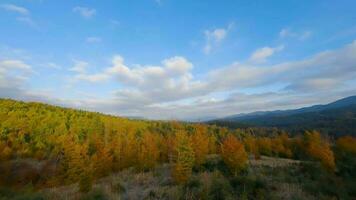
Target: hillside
(49, 152)
(337, 118)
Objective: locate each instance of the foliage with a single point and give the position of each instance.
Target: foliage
(234, 154)
(48, 146)
(184, 158)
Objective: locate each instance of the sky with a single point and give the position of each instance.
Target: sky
(178, 59)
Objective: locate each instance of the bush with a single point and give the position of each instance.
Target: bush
(85, 183)
(9, 194)
(220, 187)
(95, 195)
(250, 186)
(118, 187)
(192, 189)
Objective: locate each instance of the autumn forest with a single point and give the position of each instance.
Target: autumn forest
(45, 150)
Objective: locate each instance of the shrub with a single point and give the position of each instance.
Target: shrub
(85, 183)
(118, 188)
(219, 188)
(95, 195)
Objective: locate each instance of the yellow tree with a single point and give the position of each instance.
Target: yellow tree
(184, 158)
(200, 141)
(148, 154)
(102, 159)
(234, 154)
(319, 149)
(264, 146)
(74, 161)
(347, 144)
(251, 146)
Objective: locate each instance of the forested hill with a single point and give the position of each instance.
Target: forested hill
(40, 119)
(337, 118)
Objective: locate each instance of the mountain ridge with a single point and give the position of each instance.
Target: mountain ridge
(335, 118)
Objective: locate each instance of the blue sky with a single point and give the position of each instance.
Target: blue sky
(165, 59)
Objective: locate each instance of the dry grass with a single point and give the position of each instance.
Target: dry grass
(273, 162)
(158, 184)
(134, 185)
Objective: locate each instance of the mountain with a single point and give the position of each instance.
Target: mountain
(336, 118)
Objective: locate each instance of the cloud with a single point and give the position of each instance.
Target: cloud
(159, 2)
(27, 20)
(79, 67)
(84, 11)
(170, 91)
(303, 35)
(15, 8)
(53, 66)
(93, 39)
(114, 23)
(14, 72)
(214, 37)
(260, 55)
(24, 18)
(14, 64)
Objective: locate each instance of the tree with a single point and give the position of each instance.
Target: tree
(184, 158)
(251, 146)
(345, 153)
(85, 181)
(234, 154)
(319, 149)
(265, 146)
(102, 159)
(200, 141)
(148, 153)
(74, 160)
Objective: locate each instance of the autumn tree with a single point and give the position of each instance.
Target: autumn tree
(200, 142)
(101, 158)
(74, 159)
(234, 154)
(280, 146)
(251, 146)
(184, 158)
(345, 153)
(319, 149)
(148, 153)
(264, 146)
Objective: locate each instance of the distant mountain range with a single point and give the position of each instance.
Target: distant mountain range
(336, 118)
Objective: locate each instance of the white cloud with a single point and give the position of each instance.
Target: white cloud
(15, 8)
(305, 35)
(6, 65)
(169, 90)
(114, 22)
(13, 73)
(260, 55)
(93, 39)
(214, 37)
(84, 11)
(25, 14)
(79, 67)
(287, 32)
(53, 65)
(27, 20)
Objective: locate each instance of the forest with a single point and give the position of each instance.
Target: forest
(50, 152)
